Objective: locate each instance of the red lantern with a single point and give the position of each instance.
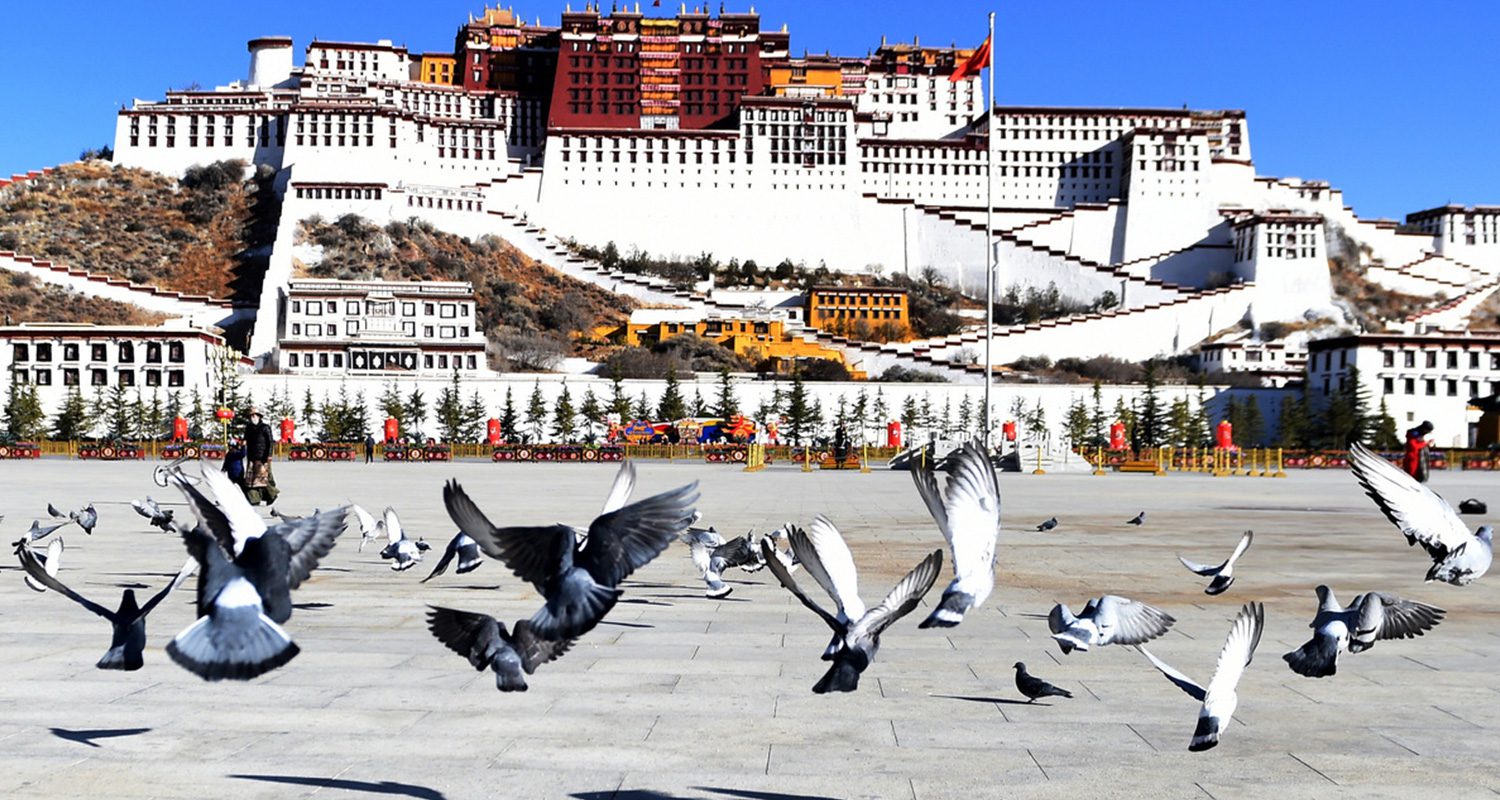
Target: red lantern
(1009, 430)
(179, 429)
(893, 435)
(492, 429)
(1117, 436)
(223, 414)
(288, 430)
(1225, 436)
(392, 430)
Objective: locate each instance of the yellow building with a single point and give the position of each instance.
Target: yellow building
(437, 68)
(861, 311)
(813, 76)
(755, 337)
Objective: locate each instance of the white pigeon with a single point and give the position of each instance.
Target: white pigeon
(51, 562)
(968, 514)
(712, 555)
(1371, 617)
(1458, 556)
(1219, 699)
(369, 528)
(1111, 619)
(1223, 575)
(401, 551)
(831, 567)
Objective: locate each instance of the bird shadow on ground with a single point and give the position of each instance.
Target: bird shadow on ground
(647, 585)
(625, 624)
(383, 787)
(1031, 615)
(334, 569)
(754, 795)
(687, 597)
(88, 736)
(311, 606)
(474, 586)
(647, 794)
(131, 585)
(1005, 701)
(626, 794)
(640, 601)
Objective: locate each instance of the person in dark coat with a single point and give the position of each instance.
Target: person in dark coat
(234, 462)
(259, 446)
(369, 448)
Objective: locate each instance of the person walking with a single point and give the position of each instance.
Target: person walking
(369, 448)
(260, 486)
(1415, 460)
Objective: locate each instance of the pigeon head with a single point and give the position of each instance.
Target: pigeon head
(128, 603)
(1020, 665)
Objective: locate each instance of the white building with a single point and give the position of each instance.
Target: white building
(1273, 364)
(1419, 377)
(341, 327)
(58, 357)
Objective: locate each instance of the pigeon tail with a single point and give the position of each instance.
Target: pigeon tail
(239, 644)
(121, 658)
(1316, 659)
(950, 611)
(1068, 643)
(842, 676)
(1206, 735)
(508, 678)
(1219, 584)
(574, 610)
(835, 645)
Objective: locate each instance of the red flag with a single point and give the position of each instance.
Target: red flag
(976, 62)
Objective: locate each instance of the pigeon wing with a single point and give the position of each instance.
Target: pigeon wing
(1397, 618)
(367, 524)
(393, 531)
(1239, 649)
(738, 552)
(244, 523)
(1239, 549)
(533, 554)
(473, 636)
(701, 544)
(835, 570)
(1182, 681)
(623, 541)
(209, 514)
(311, 539)
(38, 573)
(1134, 621)
(183, 574)
(927, 488)
(790, 584)
(1201, 569)
(448, 554)
(902, 598)
(535, 650)
(51, 509)
(619, 491)
(973, 514)
(1416, 510)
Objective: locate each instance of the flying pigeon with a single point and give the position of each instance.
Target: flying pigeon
(968, 514)
(86, 517)
(369, 527)
(129, 620)
(153, 513)
(620, 489)
(1372, 616)
(403, 553)
(1223, 575)
(1140, 519)
(466, 550)
(856, 631)
(486, 643)
(1047, 526)
(1035, 688)
(39, 532)
(712, 555)
(1109, 620)
(578, 579)
(51, 561)
(1458, 557)
(1219, 699)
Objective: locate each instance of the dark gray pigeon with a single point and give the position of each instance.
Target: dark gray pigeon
(579, 577)
(1372, 616)
(1035, 688)
(465, 549)
(86, 517)
(1047, 526)
(712, 556)
(153, 513)
(856, 631)
(1140, 519)
(486, 643)
(128, 644)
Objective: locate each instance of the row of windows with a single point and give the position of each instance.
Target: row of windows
(861, 299)
(338, 192)
(1450, 359)
(858, 313)
(351, 328)
(125, 351)
(100, 377)
(316, 308)
(336, 361)
(1430, 387)
(449, 203)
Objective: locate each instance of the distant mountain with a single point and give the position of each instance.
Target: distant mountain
(25, 299)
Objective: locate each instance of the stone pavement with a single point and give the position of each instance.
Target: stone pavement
(678, 696)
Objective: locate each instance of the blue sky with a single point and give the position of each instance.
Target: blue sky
(1395, 103)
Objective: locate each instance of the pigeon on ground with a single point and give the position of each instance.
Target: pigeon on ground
(39, 531)
(1372, 616)
(486, 643)
(86, 517)
(1111, 619)
(290, 552)
(1219, 699)
(1140, 519)
(153, 513)
(128, 644)
(1035, 688)
(712, 555)
(51, 561)
(1223, 575)
(856, 632)
(369, 527)
(968, 514)
(1458, 557)
(579, 579)
(465, 549)
(1047, 526)
(403, 553)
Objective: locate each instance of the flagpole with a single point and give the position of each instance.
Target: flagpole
(989, 242)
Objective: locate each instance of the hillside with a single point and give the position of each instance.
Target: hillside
(25, 299)
(189, 235)
(516, 295)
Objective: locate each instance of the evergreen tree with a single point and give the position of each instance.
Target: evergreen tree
(1179, 427)
(24, 418)
(174, 409)
(415, 411)
(139, 417)
(72, 422)
(475, 417)
(1036, 421)
(798, 412)
(391, 403)
(1292, 424)
(700, 408)
(1150, 417)
(591, 413)
(771, 406)
(1125, 415)
(879, 411)
(642, 409)
(728, 405)
(925, 414)
(966, 416)
(536, 413)
(1253, 423)
(1077, 423)
(1346, 418)
(357, 420)
(1198, 430)
(619, 402)
(910, 415)
(1235, 417)
(1384, 435)
(508, 418)
(564, 418)
(309, 409)
(672, 407)
(1098, 433)
(450, 411)
(860, 412)
(815, 418)
(115, 412)
(199, 426)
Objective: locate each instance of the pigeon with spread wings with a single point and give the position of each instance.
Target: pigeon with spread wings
(968, 514)
(484, 641)
(1458, 556)
(1111, 619)
(462, 547)
(1372, 616)
(1223, 574)
(1219, 699)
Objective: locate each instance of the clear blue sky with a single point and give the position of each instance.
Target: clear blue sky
(1395, 103)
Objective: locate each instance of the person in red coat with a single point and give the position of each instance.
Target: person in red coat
(1415, 460)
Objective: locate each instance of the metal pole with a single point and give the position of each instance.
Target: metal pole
(989, 239)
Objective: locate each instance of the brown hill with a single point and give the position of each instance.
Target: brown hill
(26, 299)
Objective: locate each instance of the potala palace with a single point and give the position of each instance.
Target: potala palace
(702, 132)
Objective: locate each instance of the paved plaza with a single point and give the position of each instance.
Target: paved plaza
(679, 696)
